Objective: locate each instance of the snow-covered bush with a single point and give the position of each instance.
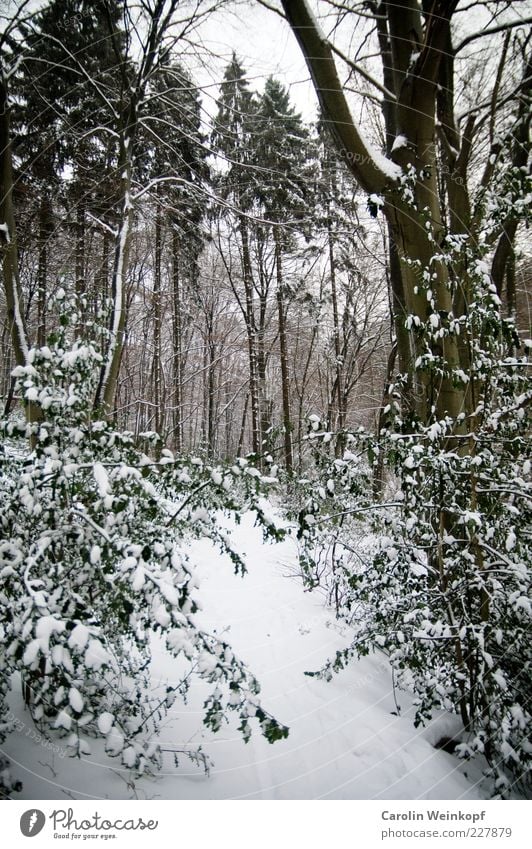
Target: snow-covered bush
(446, 593)
(93, 562)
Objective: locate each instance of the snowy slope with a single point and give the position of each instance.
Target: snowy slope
(345, 741)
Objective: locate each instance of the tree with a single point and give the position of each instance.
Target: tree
(445, 591)
(62, 122)
(418, 93)
(8, 232)
(233, 137)
(172, 161)
(283, 192)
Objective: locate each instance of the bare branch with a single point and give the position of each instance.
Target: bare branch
(492, 31)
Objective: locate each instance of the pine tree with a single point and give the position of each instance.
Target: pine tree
(283, 192)
(66, 92)
(234, 138)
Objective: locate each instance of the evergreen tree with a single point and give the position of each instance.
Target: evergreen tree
(284, 184)
(284, 194)
(66, 93)
(234, 138)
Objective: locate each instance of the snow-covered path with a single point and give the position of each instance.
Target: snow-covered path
(345, 742)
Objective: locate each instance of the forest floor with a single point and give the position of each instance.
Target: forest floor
(346, 740)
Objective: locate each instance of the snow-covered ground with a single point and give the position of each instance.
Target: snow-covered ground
(346, 740)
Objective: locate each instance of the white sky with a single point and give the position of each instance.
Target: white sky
(264, 44)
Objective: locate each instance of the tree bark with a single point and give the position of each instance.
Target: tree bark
(177, 344)
(416, 59)
(8, 249)
(157, 307)
(251, 337)
(285, 378)
(45, 230)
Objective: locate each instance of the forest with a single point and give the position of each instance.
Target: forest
(236, 302)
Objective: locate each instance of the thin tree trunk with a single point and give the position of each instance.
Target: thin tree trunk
(211, 419)
(285, 381)
(264, 401)
(251, 336)
(341, 412)
(157, 285)
(45, 227)
(105, 394)
(242, 433)
(177, 352)
(81, 285)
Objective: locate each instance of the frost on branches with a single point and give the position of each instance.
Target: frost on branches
(93, 563)
(436, 574)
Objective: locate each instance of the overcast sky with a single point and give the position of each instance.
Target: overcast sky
(265, 45)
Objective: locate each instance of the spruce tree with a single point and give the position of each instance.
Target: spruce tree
(234, 138)
(283, 193)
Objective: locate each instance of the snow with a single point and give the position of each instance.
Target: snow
(75, 699)
(79, 637)
(102, 479)
(399, 142)
(105, 722)
(376, 200)
(346, 740)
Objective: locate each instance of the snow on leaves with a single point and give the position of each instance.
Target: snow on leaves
(93, 562)
(435, 573)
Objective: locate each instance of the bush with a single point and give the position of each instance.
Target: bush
(93, 562)
(446, 593)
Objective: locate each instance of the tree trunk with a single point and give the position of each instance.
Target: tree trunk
(336, 422)
(157, 294)
(8, 249)
(251, 337)
(81, 284)
(177, 343)
(415, 87)
(105, 394)
(45, 229)
(285, 380)
(265, 402)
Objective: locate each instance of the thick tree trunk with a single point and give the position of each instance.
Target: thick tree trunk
(415, 227)
(8, 249)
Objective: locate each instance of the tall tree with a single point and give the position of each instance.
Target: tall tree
(283, 192)
(418, 99)
(234, 138)
(61, 119)
(452, 189)
(172, 161)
